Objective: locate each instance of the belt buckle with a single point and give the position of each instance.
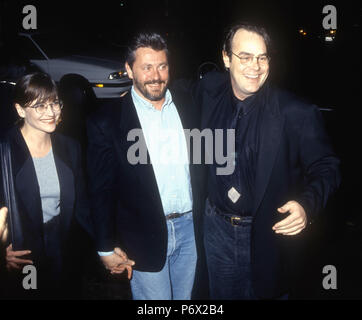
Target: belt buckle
(234, 219)
(171, 216)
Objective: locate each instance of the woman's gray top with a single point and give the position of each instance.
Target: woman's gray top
(48, 181)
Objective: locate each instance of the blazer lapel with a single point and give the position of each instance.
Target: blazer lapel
(129, 121)
(66, 181)
(272, 127)
(144, 172)
(26, 182)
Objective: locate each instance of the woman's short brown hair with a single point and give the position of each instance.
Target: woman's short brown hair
(35, 87)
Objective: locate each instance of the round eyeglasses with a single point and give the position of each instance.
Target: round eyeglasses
(42, 107)
(247, 59)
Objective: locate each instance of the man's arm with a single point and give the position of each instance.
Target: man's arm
(321, 176)
(320, 165)
(102, 166)
(102, 170)
(82, 208)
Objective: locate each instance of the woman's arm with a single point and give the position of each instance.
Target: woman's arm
(3, 225)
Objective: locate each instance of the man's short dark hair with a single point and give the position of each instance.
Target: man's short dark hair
(248, 27)
(145, 40)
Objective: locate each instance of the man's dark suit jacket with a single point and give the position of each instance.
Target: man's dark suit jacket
(74, 210)
(295, 162)
(126, 204)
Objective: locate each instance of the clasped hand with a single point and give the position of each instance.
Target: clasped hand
(118, 262)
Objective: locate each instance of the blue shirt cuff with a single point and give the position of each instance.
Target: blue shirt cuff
(103, 254)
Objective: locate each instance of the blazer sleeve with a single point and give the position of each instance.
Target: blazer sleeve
(319, 162)
(82, 209)
(102, 168)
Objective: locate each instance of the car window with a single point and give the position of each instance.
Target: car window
(61, 45)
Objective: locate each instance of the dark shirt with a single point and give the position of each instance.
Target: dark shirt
(243, 116)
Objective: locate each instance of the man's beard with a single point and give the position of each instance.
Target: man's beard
(147, 94)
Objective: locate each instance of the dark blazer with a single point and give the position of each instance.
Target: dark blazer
(126, 204)
(74, 209)
(295, 162)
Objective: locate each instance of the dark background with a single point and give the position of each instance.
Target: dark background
(327, 74)
(195, 31)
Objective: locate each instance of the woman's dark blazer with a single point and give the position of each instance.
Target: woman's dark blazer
(73, 198)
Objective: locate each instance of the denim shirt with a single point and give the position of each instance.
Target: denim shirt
(166, 144)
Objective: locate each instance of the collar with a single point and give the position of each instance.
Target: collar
(244, 106)
(140, 102)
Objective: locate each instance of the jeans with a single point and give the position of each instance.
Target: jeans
(228, 258)
(176, 279)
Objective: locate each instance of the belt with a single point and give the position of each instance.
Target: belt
(234, 220)
(176, 215)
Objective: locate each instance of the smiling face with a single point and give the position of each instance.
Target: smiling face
(35, 121)
(150, 74)
(246, 80)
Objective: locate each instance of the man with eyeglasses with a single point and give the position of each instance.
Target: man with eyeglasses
(285, 171)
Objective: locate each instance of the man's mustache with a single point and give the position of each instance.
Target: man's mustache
(155, 82)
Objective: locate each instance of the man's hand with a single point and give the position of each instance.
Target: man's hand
(12, 260)
(3, 225)
(294, 223)
(118, 262)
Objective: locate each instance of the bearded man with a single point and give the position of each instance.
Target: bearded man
(144, 210)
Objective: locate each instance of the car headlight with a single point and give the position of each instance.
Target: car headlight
(118, 75)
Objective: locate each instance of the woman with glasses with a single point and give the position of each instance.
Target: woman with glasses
(49, 191)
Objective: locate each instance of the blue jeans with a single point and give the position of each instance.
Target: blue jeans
(228, 258)
(176, 279)
(227, 249)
